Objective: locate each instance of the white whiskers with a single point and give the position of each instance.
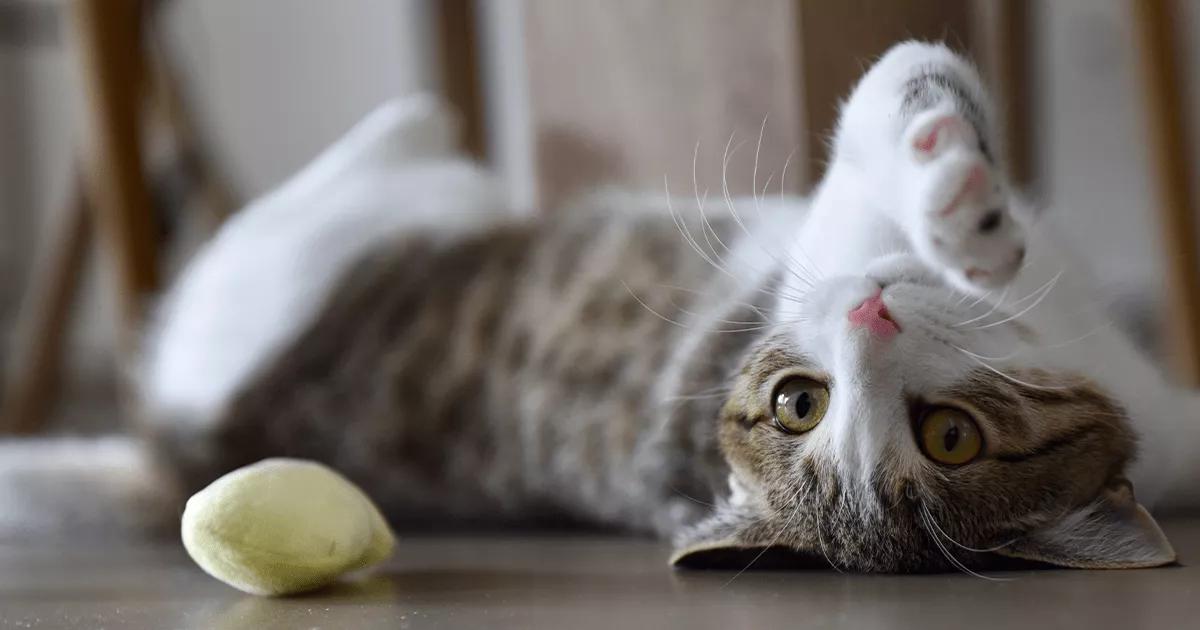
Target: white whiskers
(765, 326)
(713, 259)
(692, 498)
(976, 358)
(995, 306)
(791, 266)
(933, 522)
(786, 525)
(933, 529)
(1045, 289)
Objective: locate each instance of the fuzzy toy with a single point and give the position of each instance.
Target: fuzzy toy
(283, 526)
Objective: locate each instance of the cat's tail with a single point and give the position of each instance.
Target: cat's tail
(54, 488)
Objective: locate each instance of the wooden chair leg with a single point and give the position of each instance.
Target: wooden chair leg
(33, 374)
(109, 42)
(1167, 137)
(1011, 72)
(458, 49)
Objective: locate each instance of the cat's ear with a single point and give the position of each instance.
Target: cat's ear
(1113, 532)
(718, 541)
(733, 538)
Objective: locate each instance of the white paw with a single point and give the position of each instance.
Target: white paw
(958, 213)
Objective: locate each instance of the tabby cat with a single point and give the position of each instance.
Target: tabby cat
(902, 372)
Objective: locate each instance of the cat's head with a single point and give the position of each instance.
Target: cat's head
(897, 450)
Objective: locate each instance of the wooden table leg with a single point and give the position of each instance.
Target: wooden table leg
(109, 42)
(1167, 137)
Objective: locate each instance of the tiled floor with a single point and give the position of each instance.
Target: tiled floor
(555, 582)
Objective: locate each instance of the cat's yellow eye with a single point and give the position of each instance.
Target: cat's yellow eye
(950, 436)
(800, 403)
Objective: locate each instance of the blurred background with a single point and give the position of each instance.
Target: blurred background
(130, 128)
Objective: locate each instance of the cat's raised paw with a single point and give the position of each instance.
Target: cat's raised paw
(958, 212)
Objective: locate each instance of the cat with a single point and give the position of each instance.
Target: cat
(904, 371)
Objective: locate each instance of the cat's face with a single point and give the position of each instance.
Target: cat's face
(922, 447)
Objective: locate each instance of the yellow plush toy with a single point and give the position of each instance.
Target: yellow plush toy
(283, 526)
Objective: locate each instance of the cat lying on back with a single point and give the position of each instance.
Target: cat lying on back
(902, 372)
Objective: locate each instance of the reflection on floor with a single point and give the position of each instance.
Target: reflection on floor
(557, 582)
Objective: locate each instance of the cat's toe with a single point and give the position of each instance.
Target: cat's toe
(956, 203)
(933, 133)
(981, 261)
(998, 275)
(962, 223)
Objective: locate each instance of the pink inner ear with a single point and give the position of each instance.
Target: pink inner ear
(927, 143)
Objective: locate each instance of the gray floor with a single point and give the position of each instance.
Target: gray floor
(608, 583)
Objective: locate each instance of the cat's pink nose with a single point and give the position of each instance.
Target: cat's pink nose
(873, 315)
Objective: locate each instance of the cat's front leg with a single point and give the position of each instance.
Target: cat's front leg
(916, 167)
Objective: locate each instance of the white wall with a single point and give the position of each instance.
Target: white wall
(278, 79)
(1092, 132)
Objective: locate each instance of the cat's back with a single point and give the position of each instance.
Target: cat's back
(528, 350)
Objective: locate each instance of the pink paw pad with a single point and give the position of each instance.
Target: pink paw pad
(925, 144)
(976, 182)
(928, 141)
